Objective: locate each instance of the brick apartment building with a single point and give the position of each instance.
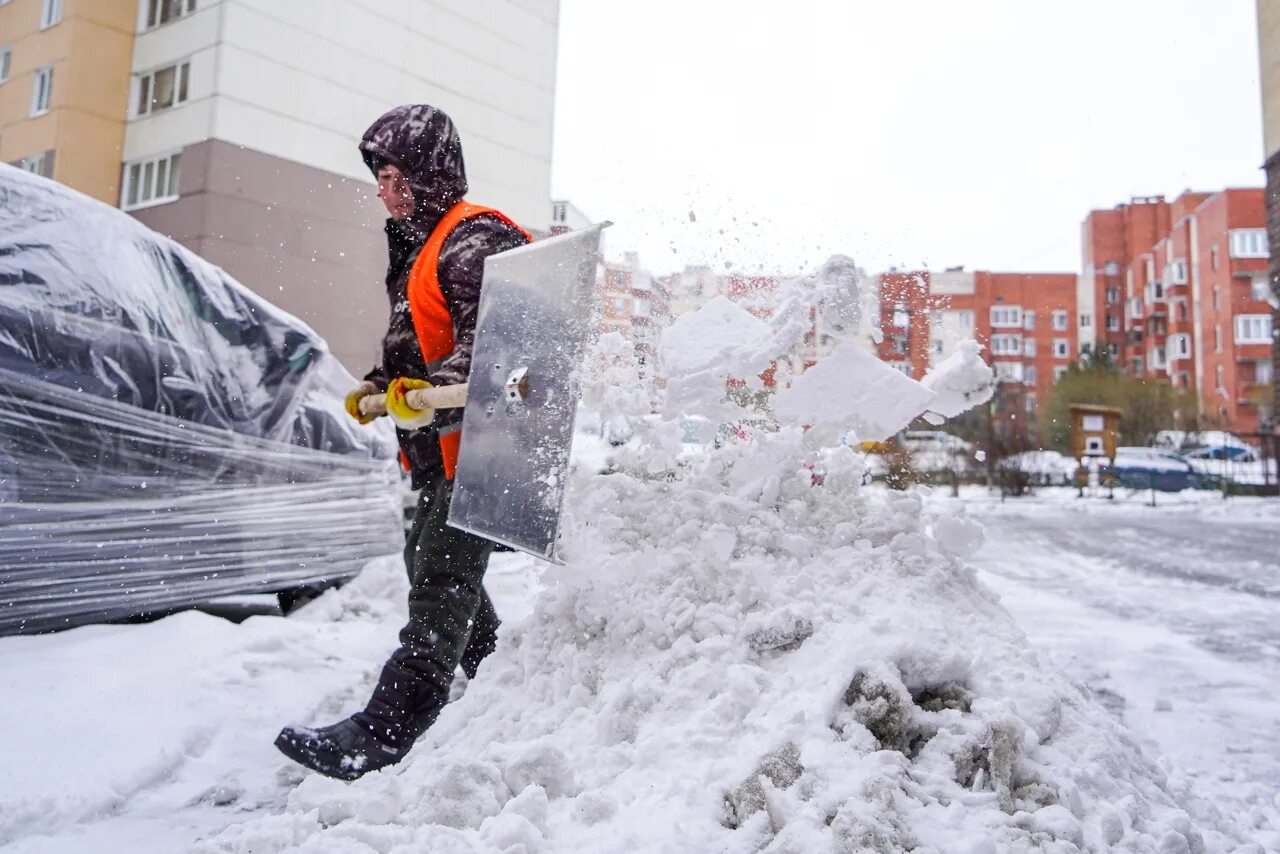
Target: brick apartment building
(1173, 291)
(1024, 320)
(1177, 292)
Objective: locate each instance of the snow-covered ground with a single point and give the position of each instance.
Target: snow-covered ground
(144, 738)
(1171, 615)
(150, 737)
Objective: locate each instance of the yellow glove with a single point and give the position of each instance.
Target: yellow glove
(352, 403)
(404, 415)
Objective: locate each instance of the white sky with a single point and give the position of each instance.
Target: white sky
(906, 132)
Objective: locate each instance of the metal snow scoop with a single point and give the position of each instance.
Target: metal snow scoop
(521, 398)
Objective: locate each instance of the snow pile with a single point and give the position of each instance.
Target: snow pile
(734, 659)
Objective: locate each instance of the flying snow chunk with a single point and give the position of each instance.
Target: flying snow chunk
(961, 381)
(853, 390)
(721, 336)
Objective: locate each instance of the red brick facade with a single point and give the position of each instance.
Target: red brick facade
(1181, 278)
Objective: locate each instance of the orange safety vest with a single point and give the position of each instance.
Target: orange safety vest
(430, 311)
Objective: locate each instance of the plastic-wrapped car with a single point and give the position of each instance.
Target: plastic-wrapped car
(166, 436)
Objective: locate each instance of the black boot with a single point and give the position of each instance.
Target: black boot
(402, 707)
(344, 751)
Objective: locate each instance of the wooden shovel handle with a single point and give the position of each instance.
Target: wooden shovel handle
(436, 397)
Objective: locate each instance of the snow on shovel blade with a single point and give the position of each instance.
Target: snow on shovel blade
(531, 332)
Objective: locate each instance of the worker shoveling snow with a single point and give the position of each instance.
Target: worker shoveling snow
(736, 659)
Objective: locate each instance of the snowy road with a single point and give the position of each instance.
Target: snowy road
(1172, 616)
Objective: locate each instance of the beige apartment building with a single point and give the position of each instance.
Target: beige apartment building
(64, 88)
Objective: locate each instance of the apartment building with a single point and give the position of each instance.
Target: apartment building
(64, 85)
(1024, 320)
(232, 125)
(1182, 290)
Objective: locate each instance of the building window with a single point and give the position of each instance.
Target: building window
(163, 88)
(50, 13)
(1006, 316)
(1086, 321)
(1216, 307)
(1260, 288)
(1008, 372)
(1217, 338)
(903, 367)
(1219, 384)
(1030, 401)
(1058, 371)
(900, 317)
(1253, 329)
(1006, 345)
(150, 182)
(1029, 320)
(1155, 358)
(557, 213)
(1113, 323)
(41, 90)
(1061, 348)
(1182, 309)
(1155, 291)
(1137, 365)
(1113, 296)
(966, 319)
(163, 11)
(1112, 268)
(1176, 272)
(1179, 346)
(36, 164)
(1263, 372)
(1060, 319)
(1113, 350)
(1213, 257)
(6, 57)
(1029, 347)
(1135, 308)
(1249, 243)
(938, 347)
(1029, 375)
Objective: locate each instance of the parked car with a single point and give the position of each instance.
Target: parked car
(1154, 468)
(1235, 453)
(166, 436)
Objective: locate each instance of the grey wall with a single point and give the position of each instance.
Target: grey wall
(308, 240)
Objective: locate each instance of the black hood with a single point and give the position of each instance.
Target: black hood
(422, 142)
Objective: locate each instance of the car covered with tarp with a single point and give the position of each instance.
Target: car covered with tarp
(167, 436)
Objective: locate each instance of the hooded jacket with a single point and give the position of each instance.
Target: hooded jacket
(422, 142)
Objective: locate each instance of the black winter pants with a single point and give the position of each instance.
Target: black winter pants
(451, 621)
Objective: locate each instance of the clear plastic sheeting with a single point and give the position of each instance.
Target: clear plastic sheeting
(166, 436)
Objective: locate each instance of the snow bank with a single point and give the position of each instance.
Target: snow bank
(736, 660)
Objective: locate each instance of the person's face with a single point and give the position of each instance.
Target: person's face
(394, 190)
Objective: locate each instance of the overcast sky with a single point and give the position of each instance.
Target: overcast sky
(910, 133)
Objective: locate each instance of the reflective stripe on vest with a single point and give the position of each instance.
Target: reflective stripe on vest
(429, 309)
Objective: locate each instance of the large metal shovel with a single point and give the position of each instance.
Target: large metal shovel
(521, 398)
